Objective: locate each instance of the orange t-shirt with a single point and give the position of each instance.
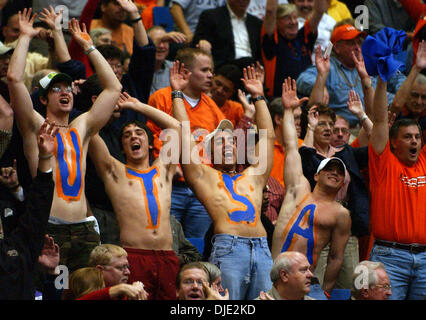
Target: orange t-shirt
(233, 111)
(205, 115)
(121, 37)
(398, 197)
(279, 157)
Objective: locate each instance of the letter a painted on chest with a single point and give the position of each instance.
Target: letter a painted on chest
(150, 193)
(69, 178)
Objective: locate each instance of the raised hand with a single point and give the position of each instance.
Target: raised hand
(355, 104)
(126, 101)
(46, 138)
(51, 18)
(265, 296)
(313, 116)
(128, 6)
(212, 293)
(49, 257)
(173, 36)
(322, 64)
(205, 46)
(253, 85)
(260, 72)
(359, 64)
(421, 55)
(9, 176)
(289, 95)
(249, 108)
(80, 35)
(391, 118)
(179, 76)
(26, 21)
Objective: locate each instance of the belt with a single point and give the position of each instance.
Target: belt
(412, 248)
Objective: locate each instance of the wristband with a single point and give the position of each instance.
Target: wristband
(177, 94)
(253, 100)
(45, 157)
(363, 118)
(92, 47)
(136, 20)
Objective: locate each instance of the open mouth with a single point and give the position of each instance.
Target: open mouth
(64, 100)
(194, 296)
(135, 146)
(413, 152)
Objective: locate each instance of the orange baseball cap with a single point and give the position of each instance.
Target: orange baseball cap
(346, 32)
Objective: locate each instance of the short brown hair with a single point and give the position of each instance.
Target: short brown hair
(191, 265)
(83, 281)
(187, 56)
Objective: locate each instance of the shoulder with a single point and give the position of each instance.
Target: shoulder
(253, 19)
(161, 94)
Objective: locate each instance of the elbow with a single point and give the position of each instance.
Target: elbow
(12, 76)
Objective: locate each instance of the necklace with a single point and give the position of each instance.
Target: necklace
(62, 125)
(350, 85)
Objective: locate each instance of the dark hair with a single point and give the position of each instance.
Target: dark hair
(326, 110)
(230, 72)
(105, 2)
(143, 126)
(402, 123)
(191, 265)
(91, 87)
(276, 108)
(111, 52)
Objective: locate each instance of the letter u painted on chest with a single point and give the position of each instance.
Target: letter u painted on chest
(246, 212)
(69, 178)
(307, 213)
(150, 193)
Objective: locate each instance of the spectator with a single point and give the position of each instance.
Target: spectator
(101, 36)
(377, 287)
(296, 225)
(240, 247)
(148, 241)
(186, 14)
(56, 95)
(229, 33)
(215, 276)
(162, 40)
(112, 18)
(204, 117)
(192, 284)
(27, 238)
(345, 74)
(286, 50)
(397, 163)
(291, 278)
(258, 7)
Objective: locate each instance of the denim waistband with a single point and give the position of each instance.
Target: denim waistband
(261, 241)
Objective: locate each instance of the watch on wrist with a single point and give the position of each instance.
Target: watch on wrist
(253, 100)
(177, 94)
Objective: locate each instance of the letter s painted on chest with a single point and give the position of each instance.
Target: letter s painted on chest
(69, 178)
(246, 212)
(150, 193)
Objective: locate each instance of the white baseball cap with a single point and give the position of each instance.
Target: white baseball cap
(326, 161)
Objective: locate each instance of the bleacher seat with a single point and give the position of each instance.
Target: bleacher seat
(162, 16)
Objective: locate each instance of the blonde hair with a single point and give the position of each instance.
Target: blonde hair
(103, 254)
(83, 281)
(285, 9)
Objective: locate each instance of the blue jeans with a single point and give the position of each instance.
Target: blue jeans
(192, 215)
(245, 264)
(406, 271)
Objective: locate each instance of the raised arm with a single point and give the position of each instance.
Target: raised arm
(339, 238)
(293, 172)
(380, 132)
(320, 7)
(254, 86)
(6, 124)
(140, 33)
(355, 107)
(367, 87)
(313, 116)
(105, 103)
(270, 20)
(53, 20)
(177, 13)
(100, 156)
(323, 68)
(403, 93)
(27, 119)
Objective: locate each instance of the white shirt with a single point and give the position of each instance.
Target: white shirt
(257, 8)
(241, 38)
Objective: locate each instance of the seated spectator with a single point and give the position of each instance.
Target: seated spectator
(291, 278)
(192, 284)
(215, 276)
(229, 32)
(186, 14)
(88, 284)
(101, 36)
(370, 282)
(286, 50)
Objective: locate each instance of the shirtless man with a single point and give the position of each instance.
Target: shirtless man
(234, 201)
(68, 223)
(141, 196)
(308, 221)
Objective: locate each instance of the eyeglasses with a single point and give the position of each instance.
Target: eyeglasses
(191, 281)
(343, 130)
(67, 89)
(120, 268)
(384, 286)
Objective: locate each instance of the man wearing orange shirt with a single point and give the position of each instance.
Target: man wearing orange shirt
(397, 166)
(204, 117)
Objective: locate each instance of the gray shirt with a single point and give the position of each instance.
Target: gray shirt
(161, 77)
(74, 7)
